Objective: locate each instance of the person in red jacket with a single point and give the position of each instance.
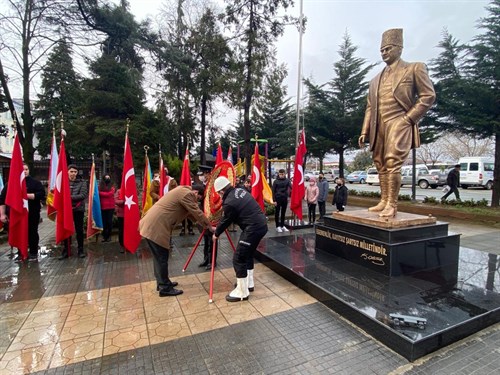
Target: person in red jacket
(107, 197)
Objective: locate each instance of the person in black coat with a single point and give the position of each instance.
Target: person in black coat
(281, 191)
(242, 209)
(36, 193)
(340, 195)
(453, 181)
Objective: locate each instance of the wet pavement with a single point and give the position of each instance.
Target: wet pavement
(102, 315)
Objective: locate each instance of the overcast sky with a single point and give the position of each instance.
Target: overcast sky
(365, 20)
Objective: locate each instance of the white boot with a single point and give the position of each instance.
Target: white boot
(240, 293)
(251, 285)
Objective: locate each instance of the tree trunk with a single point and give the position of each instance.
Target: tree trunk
(495, 195)
(341, 162)
(10, 102)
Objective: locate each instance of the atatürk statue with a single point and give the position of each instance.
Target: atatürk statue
(398, 98)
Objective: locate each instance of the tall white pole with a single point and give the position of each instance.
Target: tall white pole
(299, 72)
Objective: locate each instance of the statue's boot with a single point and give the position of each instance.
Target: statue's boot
(383, 194)
(394, 183)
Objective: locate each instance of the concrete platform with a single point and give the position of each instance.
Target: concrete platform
(366, 297)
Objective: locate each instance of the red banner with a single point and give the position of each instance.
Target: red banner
(128, 191)
(298, 187)
(257, 186)
(17, 200)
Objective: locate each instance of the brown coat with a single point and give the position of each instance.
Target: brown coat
(413, 90)
(170, 210)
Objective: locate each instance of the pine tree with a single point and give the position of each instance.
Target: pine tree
(337, 111)
(468, 87)
(273, 115)
(259, 24)
(61, 93)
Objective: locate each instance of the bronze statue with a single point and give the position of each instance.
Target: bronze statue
(398, 98)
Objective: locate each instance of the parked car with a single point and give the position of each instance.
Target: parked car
(309, 174)
(357, 176)
(476, 171)
(424, 179)
(372, 176)
(439, 177)
(335, 173)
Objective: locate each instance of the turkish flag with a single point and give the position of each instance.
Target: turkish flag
(186, 174)
(219, 158)
(17, 200)
(128, 192)
(298, 187)
(230, 155)
(257, 186)
(65, 225)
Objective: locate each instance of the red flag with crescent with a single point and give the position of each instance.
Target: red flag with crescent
(298, 187)
(17, 200)
(186, 174)
(128, 192)
(219, 158)
(65, 226)
(257, 186)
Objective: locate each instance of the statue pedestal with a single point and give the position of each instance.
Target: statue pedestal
(407, 244)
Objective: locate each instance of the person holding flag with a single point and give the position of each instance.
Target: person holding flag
(79, 193)
(35, 193)
(107, 200)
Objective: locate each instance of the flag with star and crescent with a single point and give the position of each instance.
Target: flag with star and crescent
(298, 188)
(65, 226)
(256, 181)
(17, 200)
(128, 192)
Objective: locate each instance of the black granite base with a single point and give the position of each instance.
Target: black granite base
(393, 252)
(366, 297)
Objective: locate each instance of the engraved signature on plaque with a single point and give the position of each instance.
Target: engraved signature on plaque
(378, 261)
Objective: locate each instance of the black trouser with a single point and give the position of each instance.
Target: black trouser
(160, 263)
(78, 220)
(311, 208)
(243, 256)
(340, 206)
(208, 246)
(107, 223)
(279, 214)
(120, 230)
(33, 238)
(322, 209)
(189, 225)
(453, 189)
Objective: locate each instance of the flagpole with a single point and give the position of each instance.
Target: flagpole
(299, 73)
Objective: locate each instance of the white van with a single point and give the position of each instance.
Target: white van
(372, 176)
(476, 171)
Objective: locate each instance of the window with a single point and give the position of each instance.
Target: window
(474, 167)
(488, 167)
(464, 166)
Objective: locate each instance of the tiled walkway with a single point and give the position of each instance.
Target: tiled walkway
(102, 315)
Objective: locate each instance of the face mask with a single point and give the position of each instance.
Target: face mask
(339, 183)
(321, 178)
(107, 180)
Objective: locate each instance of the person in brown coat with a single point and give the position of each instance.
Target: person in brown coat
(156, 227)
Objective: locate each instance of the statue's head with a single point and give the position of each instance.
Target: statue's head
(391, 46)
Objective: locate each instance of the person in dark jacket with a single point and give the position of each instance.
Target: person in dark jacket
(340, 195)
(281, 191)
(453, 181)
(241, 208)
(323, 187)
(36, 193)
(79, 193)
